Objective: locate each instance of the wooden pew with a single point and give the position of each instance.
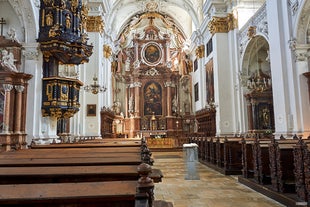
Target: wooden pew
(73, 152)
(64, 174)
(221, 154)
(88, 145)
(262, 174)
(88, 194)
(52, 170)
(302, 170)
(247, 158)
(230, 155)
(285, 165)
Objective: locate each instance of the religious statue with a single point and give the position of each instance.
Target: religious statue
(266, 118)
(174, 104)
(188, 67)
(117, 107)
(131, 104)
(49, 20)
(127, 64)
(196, 126)
(8, 60)
(68, 21)
(12, 35)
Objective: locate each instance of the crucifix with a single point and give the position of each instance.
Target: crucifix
(2, 22)
(151, 18)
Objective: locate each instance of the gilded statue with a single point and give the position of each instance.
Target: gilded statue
(74, 4)
(68, 21)
(49, 20)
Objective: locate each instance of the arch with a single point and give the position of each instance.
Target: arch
(29, 18)
(302, 28)
(133, 9)
(256, 50)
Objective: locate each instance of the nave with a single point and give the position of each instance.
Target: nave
(212, 190)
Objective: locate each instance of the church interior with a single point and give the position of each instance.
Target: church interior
(99, 100)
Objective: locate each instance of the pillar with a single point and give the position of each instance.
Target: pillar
(303, 120)
(18, 108)
(168, 85)
(7, 103)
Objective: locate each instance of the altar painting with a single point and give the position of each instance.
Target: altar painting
(152, 98)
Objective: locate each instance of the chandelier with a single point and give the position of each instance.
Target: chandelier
(95, 88)
(259, 81)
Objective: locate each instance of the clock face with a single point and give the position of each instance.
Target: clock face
(151, 54)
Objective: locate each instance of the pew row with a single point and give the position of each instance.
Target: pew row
(77, 169)
(222, 154)
(90, 194)
(67, 174)
(277, 169)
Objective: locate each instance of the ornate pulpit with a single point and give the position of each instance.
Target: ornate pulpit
(63, 41)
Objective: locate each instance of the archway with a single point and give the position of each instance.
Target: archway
(258, 86)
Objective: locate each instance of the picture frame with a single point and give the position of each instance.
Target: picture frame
(91, 110)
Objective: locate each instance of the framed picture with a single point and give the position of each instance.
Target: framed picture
(91, 109)
(196, 92)
(151, 54)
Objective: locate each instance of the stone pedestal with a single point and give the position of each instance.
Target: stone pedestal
(191, 158)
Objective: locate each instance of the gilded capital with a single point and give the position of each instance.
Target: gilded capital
(200, 51)
(95, 24)
(223, 24)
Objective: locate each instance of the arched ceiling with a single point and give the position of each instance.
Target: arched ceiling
(183, 12)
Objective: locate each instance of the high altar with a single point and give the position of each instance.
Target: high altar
(151, 80)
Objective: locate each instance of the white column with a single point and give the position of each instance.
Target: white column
(283, 86)
(35, 123)
(223, 86)
(303, 118)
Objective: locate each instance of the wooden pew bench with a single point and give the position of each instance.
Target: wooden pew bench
(262, 174)
(88, 145)
(229, 155)
(72, 152)
(75, 161)
(90, 194)
(63, 174)
(283, 165)
(221, 154)
(247, 158)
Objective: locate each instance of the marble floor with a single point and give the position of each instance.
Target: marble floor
(211, 190)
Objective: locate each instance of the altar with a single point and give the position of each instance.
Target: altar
(160, 142)
(154, 133)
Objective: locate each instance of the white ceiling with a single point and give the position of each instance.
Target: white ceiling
(119, 12)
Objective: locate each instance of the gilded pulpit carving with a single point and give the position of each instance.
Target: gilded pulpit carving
(63, 42)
